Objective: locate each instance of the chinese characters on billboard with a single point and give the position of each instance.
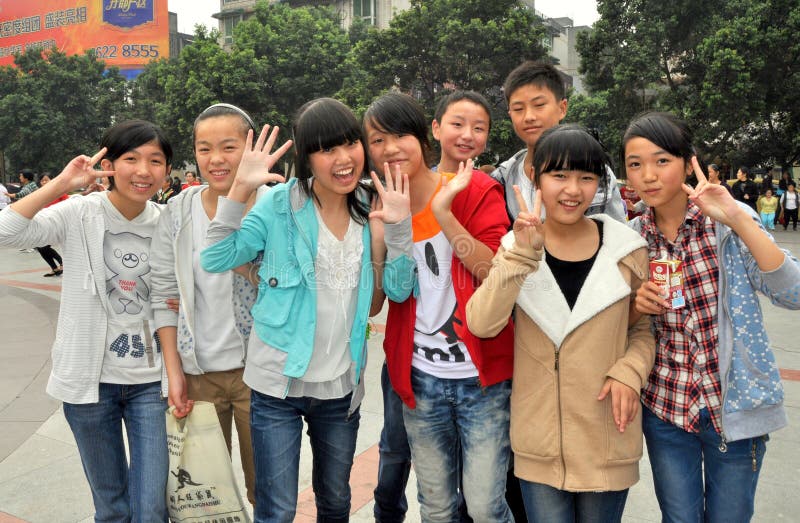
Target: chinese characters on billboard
(124, 33)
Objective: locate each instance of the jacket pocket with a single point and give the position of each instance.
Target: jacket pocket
(534, 421)
(624, 447)
(753, 379)
(277, 292)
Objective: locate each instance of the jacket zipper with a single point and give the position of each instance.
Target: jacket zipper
(560, 424)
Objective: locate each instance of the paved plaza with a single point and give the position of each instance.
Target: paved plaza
(41, 480)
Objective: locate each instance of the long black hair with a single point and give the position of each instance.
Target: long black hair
(320, 124)
(399, 114)
(665, 130)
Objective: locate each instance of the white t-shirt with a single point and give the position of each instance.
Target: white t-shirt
(789, 200)
(126, 251)
(438, 350)
(217, 344)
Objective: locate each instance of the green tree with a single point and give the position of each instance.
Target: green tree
(54, 107)
(438, 45)
(713, 63)
(281, 58)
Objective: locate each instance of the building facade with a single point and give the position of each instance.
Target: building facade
(560, 40)
(377, 13)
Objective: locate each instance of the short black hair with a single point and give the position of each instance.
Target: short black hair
(320, 124)
(27, 174)
(457, 96)
(663, 129)
(130, 134)
(41, 176)
(399, 114)
(745, 170)
(536, 73)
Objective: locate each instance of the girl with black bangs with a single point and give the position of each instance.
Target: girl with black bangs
(322, 235)
(578, 366)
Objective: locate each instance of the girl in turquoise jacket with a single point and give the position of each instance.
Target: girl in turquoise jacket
(323, 257)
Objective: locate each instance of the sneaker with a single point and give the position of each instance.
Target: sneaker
(26, 250)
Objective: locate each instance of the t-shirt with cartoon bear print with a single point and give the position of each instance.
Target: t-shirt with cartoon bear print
(126, 252)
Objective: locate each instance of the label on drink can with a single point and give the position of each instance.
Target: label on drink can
(668, 274)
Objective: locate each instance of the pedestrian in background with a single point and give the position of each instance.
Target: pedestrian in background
(745, 189)
(48, 253)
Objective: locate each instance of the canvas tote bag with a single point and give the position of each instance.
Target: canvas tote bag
(201, 487)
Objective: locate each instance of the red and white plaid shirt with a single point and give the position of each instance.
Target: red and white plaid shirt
(686, 372)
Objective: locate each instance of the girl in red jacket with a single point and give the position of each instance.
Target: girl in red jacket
(455, 386)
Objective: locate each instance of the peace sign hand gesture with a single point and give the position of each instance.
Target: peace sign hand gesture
(713, 199)
(528, 227)
(253, 171)
(395, 202)
(80, 172)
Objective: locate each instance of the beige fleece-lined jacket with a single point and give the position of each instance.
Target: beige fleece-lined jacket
(561, 434)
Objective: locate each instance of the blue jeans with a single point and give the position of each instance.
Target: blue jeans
(122, 493)
(395, 458)
(276, 426)
(546, 504)
(683, 461)
(455, 415)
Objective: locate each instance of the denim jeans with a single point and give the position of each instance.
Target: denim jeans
(276, 426)
(122, 493)
(546, 504)
(395, 458)
(683, 462)
(453, 415)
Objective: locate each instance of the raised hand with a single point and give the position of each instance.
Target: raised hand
(80, 172)
(443, 200)
(528, 227)
(395, 201)
(714, 200)
(253, 170)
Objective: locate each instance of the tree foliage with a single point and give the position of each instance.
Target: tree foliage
(730, 67)
(54, 106)
(281, 58)
(439, 45)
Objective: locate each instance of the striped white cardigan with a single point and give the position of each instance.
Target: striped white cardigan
(78, 224)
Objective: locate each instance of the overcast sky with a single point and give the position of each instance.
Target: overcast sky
(191, 12)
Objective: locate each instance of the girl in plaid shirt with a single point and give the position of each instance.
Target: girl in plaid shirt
(714, 393)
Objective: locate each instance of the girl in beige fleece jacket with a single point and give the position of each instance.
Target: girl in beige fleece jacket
(578, 365)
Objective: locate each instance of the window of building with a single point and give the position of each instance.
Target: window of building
(365, 10)
(228, 25)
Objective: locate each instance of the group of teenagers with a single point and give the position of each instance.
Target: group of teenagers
(521, 316)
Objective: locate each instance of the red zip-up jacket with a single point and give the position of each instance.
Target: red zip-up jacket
(481, 209)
